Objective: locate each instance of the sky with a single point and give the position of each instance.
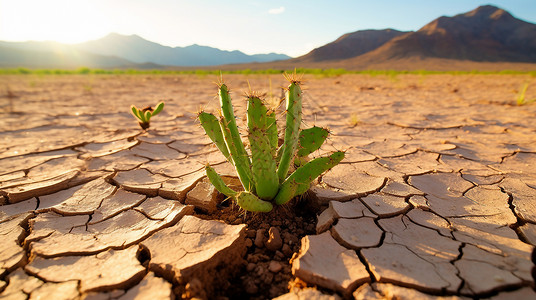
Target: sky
(251, 26)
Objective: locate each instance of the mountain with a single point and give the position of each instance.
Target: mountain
(351, 45)
(123, 51)
(486, 34)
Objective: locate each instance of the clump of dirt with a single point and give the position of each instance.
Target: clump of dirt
(272, 240)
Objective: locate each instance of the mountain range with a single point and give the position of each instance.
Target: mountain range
(484, 36)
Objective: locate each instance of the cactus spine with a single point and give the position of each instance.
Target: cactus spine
(265, 176)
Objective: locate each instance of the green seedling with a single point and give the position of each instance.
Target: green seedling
(144, 115)
(354, 120)
(521, 100)
(264, 170)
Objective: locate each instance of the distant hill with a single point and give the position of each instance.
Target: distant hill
(351, 45)
(487, 34)
(120, 51)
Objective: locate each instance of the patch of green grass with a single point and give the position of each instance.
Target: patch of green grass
(521, 100)
(204, 72)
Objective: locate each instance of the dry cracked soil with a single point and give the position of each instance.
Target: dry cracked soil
(436, 198)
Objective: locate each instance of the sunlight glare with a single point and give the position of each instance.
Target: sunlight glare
(54, 20)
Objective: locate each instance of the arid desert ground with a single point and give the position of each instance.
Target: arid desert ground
(436, 197)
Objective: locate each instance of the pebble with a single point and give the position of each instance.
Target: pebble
(287, 250)
(250, 267)
(250, 287)
(251, 233)
(275, 266)
(259, 238)
(268, 278)
(260, 270)
(252, 258)
(274, 240)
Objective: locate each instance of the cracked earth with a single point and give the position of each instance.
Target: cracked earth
(436, 197)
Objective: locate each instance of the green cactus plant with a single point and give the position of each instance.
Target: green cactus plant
(264, 173)
(144, 115)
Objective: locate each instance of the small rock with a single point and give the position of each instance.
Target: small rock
(251, 233)
(274, 240)
(325, 219)
(203, 196)
(259, 238)
(260, 270)
(252, 258)
(250, 287)
(250, 267)
(286, 250)
(249, 243)
(275, 266)
(268, 278)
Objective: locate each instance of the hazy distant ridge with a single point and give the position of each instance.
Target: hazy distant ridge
(119, 51)
(139, 50)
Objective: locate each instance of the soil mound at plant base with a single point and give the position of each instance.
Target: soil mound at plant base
(272, 239)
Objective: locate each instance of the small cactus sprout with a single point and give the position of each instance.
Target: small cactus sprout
(264, 172)
(144, 115)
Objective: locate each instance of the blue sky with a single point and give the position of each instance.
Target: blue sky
(252, 26)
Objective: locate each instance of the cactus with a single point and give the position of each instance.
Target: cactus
(265, 174)
(144, 115)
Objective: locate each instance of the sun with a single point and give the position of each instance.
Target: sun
(53, 20)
